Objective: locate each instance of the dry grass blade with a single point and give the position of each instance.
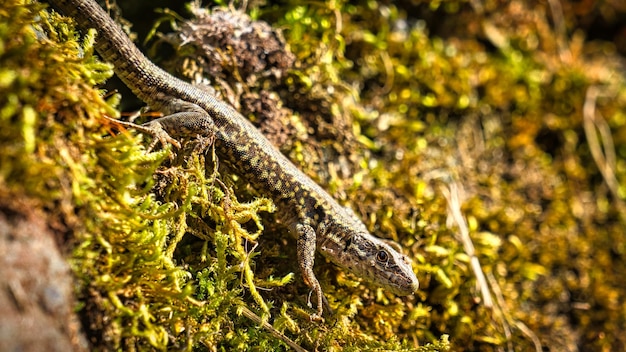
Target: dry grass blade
(279, 335)
(602, 150)
(454, 205)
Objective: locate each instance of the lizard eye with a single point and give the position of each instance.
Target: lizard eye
(382, 256)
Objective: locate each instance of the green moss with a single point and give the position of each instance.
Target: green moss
(390, 108)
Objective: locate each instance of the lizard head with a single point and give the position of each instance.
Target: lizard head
(372, 259)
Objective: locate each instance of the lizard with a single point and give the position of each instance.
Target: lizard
(317, 220)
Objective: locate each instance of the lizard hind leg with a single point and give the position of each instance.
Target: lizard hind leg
(183, 120)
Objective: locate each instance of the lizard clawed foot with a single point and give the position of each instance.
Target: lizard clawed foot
(155, 129)
(160, 135)
(317, 316)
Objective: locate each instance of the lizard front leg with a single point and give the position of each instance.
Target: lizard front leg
(306, 258)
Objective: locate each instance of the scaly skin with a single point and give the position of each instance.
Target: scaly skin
(317, 220)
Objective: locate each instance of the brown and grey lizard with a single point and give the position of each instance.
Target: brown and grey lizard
(318, 221)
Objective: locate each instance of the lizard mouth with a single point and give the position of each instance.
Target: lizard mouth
(407, 287)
